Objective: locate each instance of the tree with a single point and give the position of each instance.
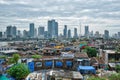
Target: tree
(115, 76)
(18, 71)
(36, 56)
(92, 52)
(117, 68)
(95, 78)
(3, 57)
(15, 58)
(118, 48)
(73, 40)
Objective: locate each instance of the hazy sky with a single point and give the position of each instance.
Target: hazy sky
(98, 14)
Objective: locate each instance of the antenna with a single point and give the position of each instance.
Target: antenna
(80, 29)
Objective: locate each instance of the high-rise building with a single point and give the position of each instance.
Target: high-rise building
(35, 33)
(52, 29)
(56, 29)
(115, 36)
(31, 31)
(19, 33)
(86, 31)
(41, 32)
(4, 35)
(118, 34)
(91, 34)
(14, 31)
(106, 34)
(69, 34)
(65, 31)
(0, 34)
(97, 34)
(46, 34)
(25, 34)
(9, 31)
(75, 33)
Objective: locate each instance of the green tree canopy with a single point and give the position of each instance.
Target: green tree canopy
(3, 57)
(18, 71)
(117, 68)
(14, 58)
(36, 56)
(95, 78)
(114, 77)
(118, 48)
(92, 52)
(73, 40)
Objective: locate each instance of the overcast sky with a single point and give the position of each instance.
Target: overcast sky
(98, 14)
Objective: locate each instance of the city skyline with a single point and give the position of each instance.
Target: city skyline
(98, 14)
(52, 32)
(53, 26)
(59, 39)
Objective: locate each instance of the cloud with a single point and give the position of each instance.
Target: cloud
(96, 13)
(11, 2)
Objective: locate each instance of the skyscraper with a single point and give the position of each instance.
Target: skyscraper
(25, 34)
(56, 29)
(69, 33)
(86, 31)
(46, 35)
(14, 31)
(65, 31)
(97, 34)
(35, 33)
(75, 33)
(19, 33)
(4, 35)
(52, 29)
(118, 34)
(106, 34)
(115, 36)
(0, 34)
(31, 31)
(91, 34)
(41, 32)
(9, 31)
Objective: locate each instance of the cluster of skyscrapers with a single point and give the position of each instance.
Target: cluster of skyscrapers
(97, 34)
(11, 31)
(67, 32)
(52, 32)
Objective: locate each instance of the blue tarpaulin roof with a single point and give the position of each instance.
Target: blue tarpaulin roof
(59, 64)
(1, 68)
(52, 44)
(2, 61)
(48, 63)
(85, 69)
(69, 63)
(31, 66)
(81, 45)
(67, 49)
(3, 77)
